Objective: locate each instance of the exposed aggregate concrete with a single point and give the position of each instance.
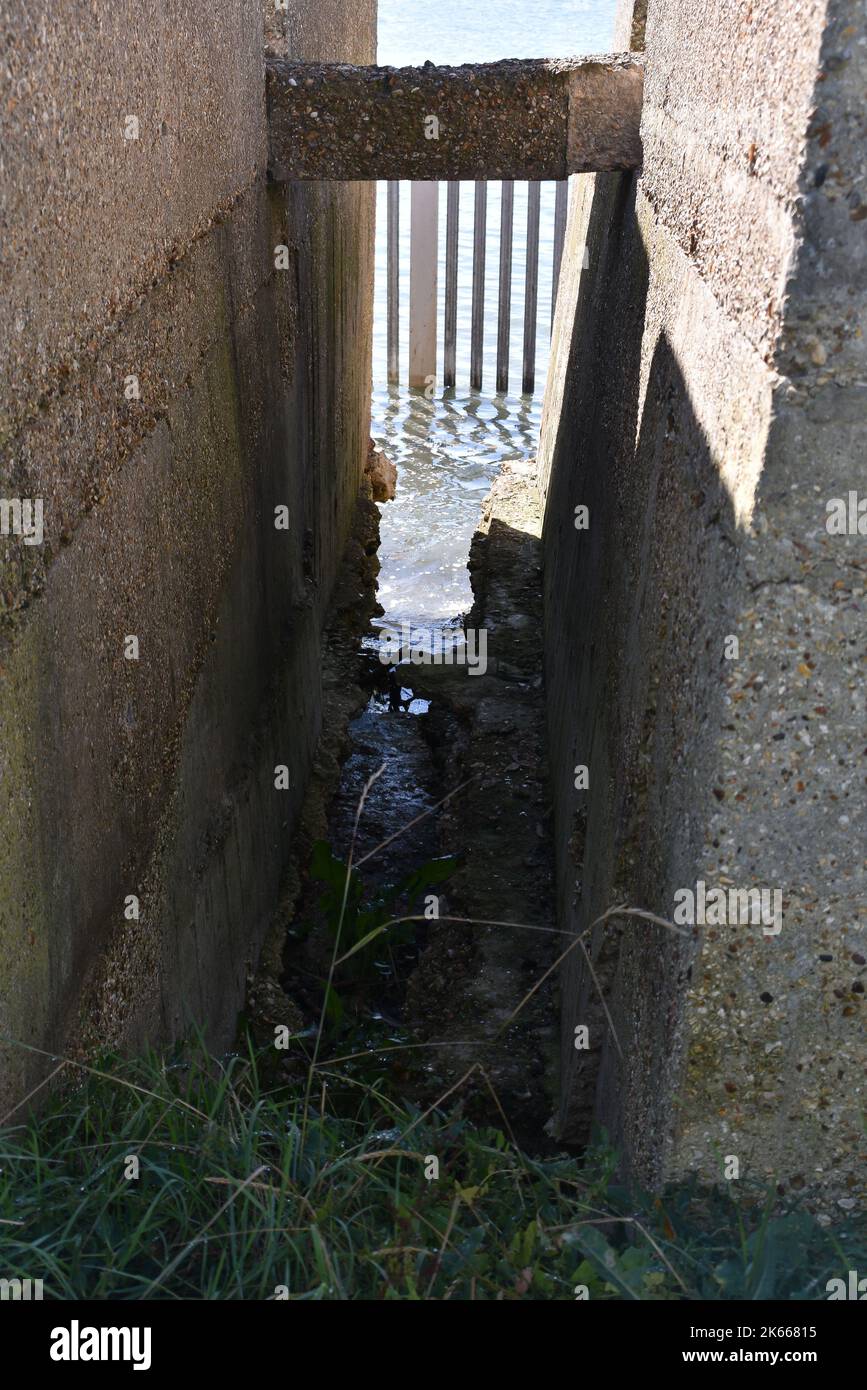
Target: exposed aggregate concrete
(514, 119)
(706, 400)
(156, 258)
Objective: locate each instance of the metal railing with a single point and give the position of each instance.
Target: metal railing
(424, 248)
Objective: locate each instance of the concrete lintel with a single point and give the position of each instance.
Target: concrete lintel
(516, 119)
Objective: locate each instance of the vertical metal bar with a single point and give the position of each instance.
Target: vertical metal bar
(560, 205)
(504, 321)
(531, 287)
(480, 224)
(451, 314)
(392, 277)
(423, 284)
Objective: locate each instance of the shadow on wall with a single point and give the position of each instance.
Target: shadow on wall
(634, 616)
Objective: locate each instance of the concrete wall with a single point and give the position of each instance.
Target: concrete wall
(154, 257)
(706, 399)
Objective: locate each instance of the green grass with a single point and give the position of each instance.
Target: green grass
(244, 1189)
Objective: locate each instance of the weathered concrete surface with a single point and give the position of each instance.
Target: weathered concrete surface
(630, 22)
(155, 259)
(705, 401)
(515, 119)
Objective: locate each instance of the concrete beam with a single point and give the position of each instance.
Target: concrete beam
(516, 119)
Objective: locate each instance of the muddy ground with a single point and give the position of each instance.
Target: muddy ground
(464, 997)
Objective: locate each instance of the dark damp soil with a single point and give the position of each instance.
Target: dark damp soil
(458, 1004)
(392, 745)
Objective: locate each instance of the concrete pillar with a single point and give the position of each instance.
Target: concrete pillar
(423, 284)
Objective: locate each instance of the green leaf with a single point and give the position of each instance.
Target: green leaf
(333, 1005)
(360, 945)
(428, 876)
